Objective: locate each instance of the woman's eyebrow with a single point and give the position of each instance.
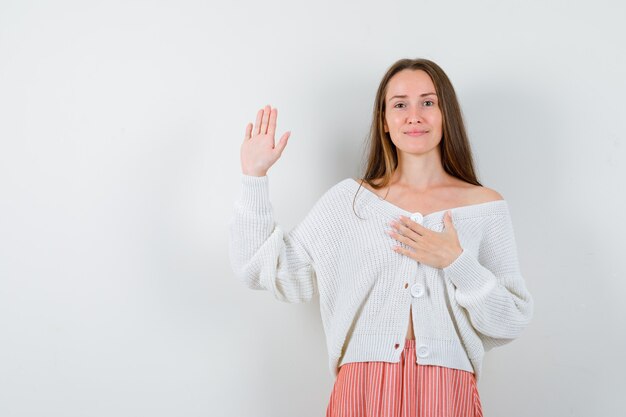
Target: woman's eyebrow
(405, 96)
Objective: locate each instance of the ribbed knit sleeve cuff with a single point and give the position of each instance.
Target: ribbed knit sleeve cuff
(255, 194)
(467, 274)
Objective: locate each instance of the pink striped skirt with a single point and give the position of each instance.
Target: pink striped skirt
(403, 389)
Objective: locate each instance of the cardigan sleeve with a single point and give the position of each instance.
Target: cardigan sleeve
(490, 287)
(262, 255)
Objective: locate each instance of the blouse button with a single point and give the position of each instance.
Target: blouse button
(422, 351)
(417, 217)
(417, 290)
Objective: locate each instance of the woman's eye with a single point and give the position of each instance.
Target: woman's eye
(429, 103)
(399, 104)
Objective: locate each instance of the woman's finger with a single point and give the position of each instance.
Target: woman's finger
(257, 123)
(411, 254)
(401, 238)
(265, 120)
(414, 226)
(272, 127)
(405, 230)
(282, 143)
(248, 132)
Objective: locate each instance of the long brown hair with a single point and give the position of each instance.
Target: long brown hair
(456, 154)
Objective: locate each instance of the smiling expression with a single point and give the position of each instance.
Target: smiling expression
(413, 117)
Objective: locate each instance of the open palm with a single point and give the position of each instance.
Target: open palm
(258, 150)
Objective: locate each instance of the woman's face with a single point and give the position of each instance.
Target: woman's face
(412, 115)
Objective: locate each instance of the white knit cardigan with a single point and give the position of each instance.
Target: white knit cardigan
(366, 289)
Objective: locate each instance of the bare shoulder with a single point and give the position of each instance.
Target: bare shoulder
(480, 194)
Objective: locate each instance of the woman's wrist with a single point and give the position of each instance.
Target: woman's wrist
(254, 173)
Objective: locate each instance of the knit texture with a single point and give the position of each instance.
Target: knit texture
(365, 289)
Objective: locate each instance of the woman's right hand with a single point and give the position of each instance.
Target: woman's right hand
(258, 152)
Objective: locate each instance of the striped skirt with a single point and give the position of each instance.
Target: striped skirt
(403, 389)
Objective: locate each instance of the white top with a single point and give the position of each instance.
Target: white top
(366, 289)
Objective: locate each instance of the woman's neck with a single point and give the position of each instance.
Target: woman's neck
(420, 173)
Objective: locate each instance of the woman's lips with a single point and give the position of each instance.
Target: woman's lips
(415, 134)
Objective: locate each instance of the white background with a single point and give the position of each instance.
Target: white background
(120, 128)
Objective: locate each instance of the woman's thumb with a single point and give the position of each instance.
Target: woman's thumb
(447, 220)
(283, 142)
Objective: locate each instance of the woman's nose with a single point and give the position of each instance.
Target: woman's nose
(414, 117)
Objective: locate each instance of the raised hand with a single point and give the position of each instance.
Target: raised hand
(258, 151)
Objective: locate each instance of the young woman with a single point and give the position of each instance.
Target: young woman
(415, 264)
